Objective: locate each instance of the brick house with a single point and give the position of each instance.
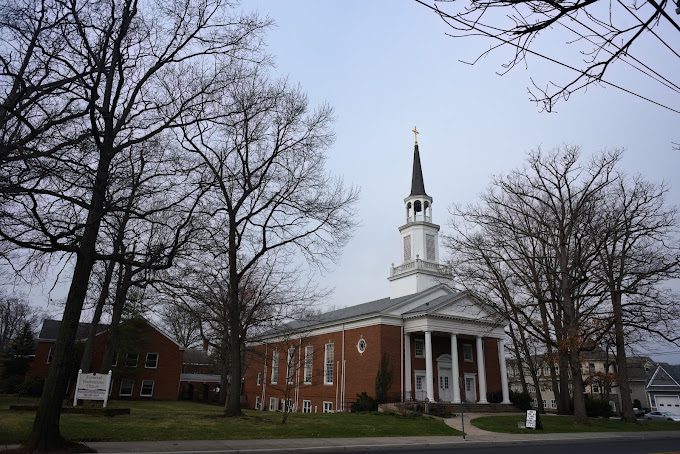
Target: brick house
(147, 366)
(434, 337)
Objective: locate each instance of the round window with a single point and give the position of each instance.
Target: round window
(361, 345)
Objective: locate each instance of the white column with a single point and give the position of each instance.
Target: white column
(428, 366)
(407, 367)
(454, 370)
(504, 371)
(481, 373)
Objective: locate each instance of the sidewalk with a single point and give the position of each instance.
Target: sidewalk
(474, 436)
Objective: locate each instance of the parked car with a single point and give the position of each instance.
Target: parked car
(662, 416)
(640, 412)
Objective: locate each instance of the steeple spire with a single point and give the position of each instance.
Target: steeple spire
(417, 183)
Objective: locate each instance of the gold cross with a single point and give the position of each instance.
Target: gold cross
(415, 131)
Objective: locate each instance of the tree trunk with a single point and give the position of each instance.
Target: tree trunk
(92, 333)
(580, 415)
(45, 435)
(520, 366)
(124, 284)
(627, 413)
(233, 406)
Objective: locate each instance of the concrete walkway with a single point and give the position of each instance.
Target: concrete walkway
(474, 436)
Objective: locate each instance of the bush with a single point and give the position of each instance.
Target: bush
(10, 385)
(598, 408)
(364, 402)
(33, 387)
(637, 404)
(520, 400)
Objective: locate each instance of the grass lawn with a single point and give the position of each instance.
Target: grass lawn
(181, 420)
(565, 424)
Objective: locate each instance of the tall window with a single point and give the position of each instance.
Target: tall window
(259, 378)
(126, 387)
(309, 351)
(290, 366)
(147, 388)
(419, 348)
(151, 360)
(257, 402)
(407, 248)
(306, 406)
(328, 369)
(49, 355)
(467, 352)
(131, 360)
(328, 407)
(275, 367)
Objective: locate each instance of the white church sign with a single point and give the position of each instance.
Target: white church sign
(92, 387)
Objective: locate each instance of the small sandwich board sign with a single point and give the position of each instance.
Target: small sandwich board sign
(533, 420)
(92, 387)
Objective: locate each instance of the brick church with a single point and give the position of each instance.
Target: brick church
(442, 345)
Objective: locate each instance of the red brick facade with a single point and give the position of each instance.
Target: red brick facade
(360, 368)
(160, 377)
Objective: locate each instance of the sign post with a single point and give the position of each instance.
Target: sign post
(92, 387)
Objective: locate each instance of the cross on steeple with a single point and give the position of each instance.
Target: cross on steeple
(415, 131)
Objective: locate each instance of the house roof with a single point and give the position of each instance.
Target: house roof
(195, 356)
(212, 378)
(663, 378)
(50, 329)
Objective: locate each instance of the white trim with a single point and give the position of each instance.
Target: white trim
(306, 405)
(330, 404)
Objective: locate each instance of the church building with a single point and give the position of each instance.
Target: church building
(441, 344)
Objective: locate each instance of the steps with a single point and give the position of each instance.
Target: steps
(448, 409)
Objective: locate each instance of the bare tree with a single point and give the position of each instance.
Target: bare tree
(536, 252)
(641, 249)
(597, 35)
(263, 152)
(15, 312)
(139, 66)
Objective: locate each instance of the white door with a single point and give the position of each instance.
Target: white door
(668, 403)
(470, 388)
(445, 385)
(420, 390)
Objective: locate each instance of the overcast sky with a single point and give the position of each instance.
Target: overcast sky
(387, 66)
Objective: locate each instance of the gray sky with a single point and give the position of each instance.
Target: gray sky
(387, 66)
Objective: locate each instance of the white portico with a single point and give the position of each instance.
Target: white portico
(449, 337)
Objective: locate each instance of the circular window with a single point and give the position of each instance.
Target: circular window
(361, 345)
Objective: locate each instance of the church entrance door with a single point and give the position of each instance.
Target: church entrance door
(470, 388)
(445, 378)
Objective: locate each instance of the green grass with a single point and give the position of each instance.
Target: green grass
(565, 424)
(194, 421)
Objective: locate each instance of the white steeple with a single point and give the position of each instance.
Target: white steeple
(420, 268)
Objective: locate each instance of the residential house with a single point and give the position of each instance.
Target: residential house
(663, 388)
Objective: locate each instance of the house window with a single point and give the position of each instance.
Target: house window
(328, 369)
(49, 355)
(419, 383)
(126, 387)
(544, 403)
(407, 248)
(275, 368)
(114, 362)
(591, 368)
(557, 370)
(259, 378)
(257, 402)
(328, 407)
(419, 348)
(290, 366)
(532, 388)
(534, 403)
(151, 361)
(443, 382)
(467, 352)
(306, 406)
(147, 388)
(596, 388)
(309, 351)
(546, 371)
(553, 404)
(131, 360)
(273, 404)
